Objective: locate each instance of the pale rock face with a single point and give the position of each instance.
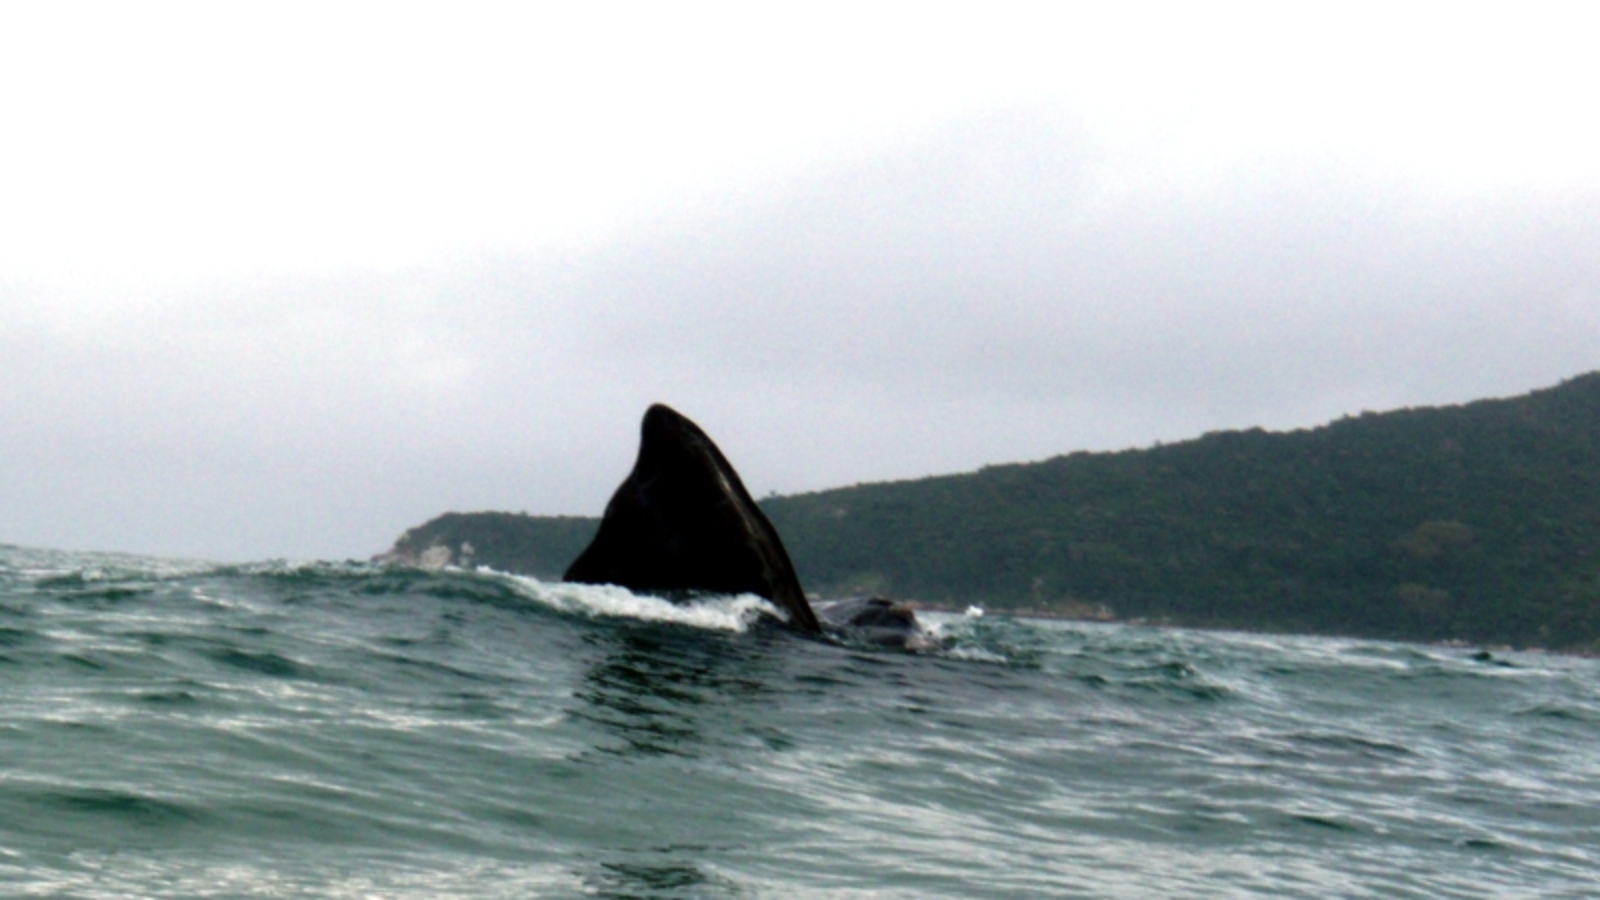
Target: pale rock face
(435, 557)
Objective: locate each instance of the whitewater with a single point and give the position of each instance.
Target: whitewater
(178, 729)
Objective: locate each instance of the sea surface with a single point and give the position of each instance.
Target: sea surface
(172, 729)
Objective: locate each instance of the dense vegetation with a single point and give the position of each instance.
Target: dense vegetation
(1479, 522)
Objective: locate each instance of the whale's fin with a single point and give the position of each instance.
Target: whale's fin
(683, 521)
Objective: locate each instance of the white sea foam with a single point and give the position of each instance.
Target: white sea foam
(717, 613)
(96, 567)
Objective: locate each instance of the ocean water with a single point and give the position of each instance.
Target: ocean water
(171, 729)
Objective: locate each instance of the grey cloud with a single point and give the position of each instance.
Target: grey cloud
(1253, 298)
(997, 290)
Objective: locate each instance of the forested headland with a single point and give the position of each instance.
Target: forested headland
(1478, 522)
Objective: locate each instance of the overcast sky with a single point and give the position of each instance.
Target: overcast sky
(284, 281)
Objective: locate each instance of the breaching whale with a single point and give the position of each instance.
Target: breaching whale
(683, 522)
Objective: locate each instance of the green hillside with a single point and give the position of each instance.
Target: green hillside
(511, 542)
(1479, 522)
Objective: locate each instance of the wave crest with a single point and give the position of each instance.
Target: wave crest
(714, 612)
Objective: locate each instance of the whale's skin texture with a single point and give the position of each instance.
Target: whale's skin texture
(682, 523)
(875, 620)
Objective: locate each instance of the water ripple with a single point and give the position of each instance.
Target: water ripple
(180, 729)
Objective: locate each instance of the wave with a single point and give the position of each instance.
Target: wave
(734, 613)
(327, 728)
(115, 575)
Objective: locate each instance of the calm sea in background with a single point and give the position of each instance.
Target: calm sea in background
(170, 729)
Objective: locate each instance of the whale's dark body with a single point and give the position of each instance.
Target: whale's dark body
(683, 522)
(875, 620)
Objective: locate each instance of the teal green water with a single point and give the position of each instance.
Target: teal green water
(342, 730)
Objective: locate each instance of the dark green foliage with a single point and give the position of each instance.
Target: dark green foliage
(1479, 522)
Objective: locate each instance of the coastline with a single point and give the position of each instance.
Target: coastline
(1104, 616)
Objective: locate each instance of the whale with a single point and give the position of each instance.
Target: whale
(682, 524)
(875, 620)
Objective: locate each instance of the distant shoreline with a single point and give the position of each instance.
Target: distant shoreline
(1454, 525)
(1067, 616)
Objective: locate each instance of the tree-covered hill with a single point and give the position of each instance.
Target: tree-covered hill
(511, 542)
(1479, 522)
